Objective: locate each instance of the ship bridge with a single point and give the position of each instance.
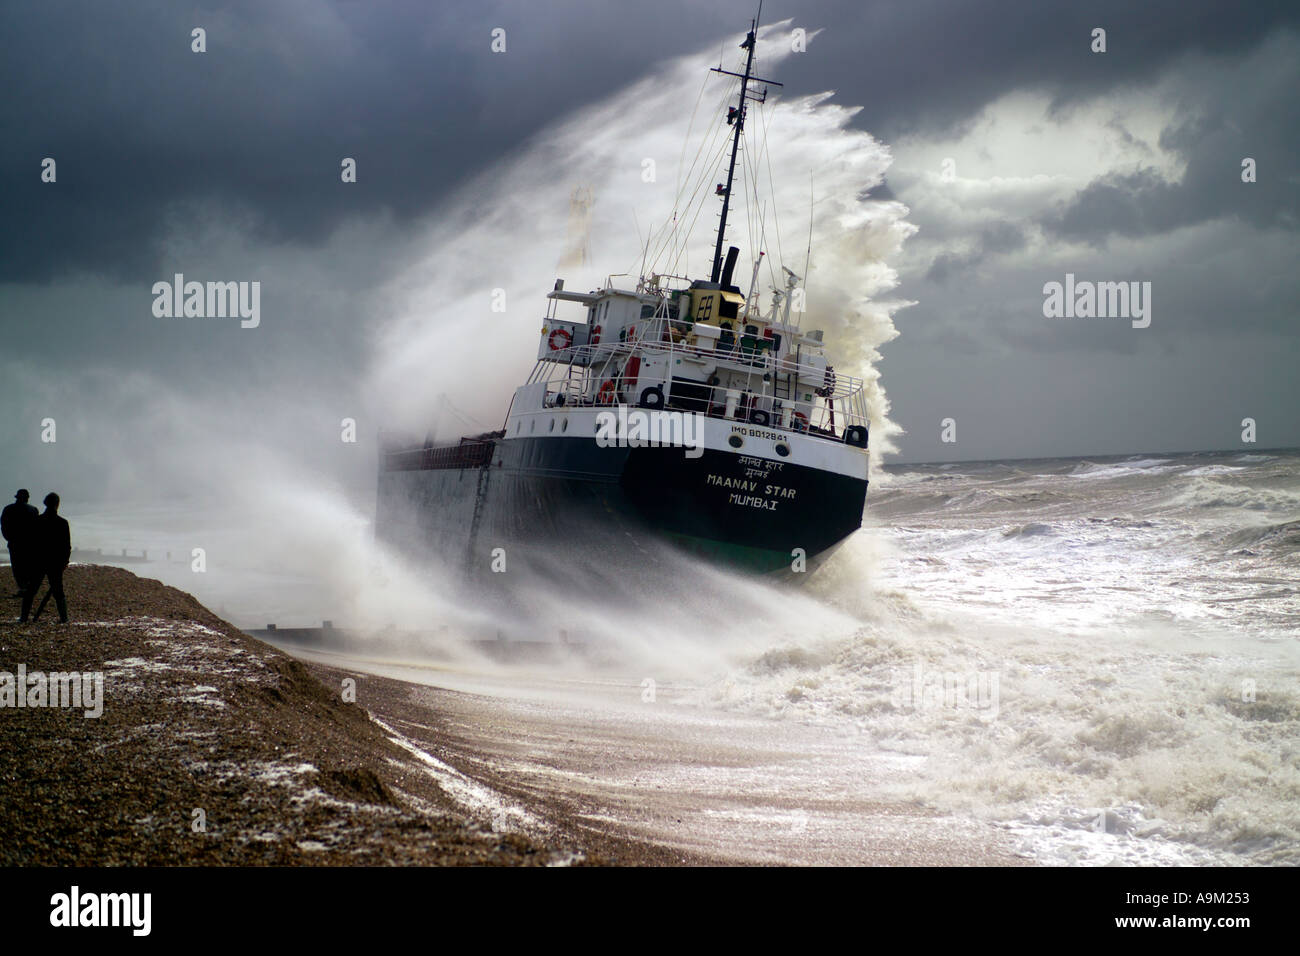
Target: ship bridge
(695, 349)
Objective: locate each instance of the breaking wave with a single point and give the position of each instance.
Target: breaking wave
(1109, 672)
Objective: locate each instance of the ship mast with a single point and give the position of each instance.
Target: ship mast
(736, 117)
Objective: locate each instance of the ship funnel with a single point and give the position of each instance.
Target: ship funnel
(730, 266)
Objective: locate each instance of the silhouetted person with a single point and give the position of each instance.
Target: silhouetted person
(18, 526)
(53, 550)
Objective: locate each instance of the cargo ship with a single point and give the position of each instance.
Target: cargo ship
(670, 415)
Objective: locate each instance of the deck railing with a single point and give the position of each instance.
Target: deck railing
(575, 375)
(470, 453)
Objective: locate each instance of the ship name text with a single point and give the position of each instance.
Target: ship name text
(742, 485)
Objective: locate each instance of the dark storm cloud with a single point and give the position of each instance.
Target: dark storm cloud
(1131, 204)
(996, 238)
(935, 63)
(138, 123)
(1221, 128)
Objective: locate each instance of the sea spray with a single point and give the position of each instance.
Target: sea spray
(1145, 652)
(463, 320)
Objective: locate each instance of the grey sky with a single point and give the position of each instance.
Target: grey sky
(1115, 166)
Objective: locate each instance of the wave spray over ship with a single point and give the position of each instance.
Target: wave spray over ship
(677, 406)
(511, 225)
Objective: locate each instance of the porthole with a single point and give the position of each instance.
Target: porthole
(783, 449)
(735, 441)
(532, 426)
(552, 428)
(564, 425)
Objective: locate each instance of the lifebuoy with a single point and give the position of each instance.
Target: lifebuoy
(563, 334)
(758, 417)
(800, 422)
(595, 336)
(606, 395)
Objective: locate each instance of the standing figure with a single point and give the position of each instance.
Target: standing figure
(18, 526)
(53, 551)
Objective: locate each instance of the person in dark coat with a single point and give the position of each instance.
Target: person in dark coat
(18, 526)
(53, 551)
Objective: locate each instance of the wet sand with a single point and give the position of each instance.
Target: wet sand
(595, 765)
(458, 765)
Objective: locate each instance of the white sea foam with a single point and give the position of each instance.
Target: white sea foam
(1122, 469)
(1209, 492)
(1147, 719)
(1147, 662)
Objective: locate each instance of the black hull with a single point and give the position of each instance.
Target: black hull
(538, 497)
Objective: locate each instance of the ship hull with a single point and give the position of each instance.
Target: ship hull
(548, 499)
